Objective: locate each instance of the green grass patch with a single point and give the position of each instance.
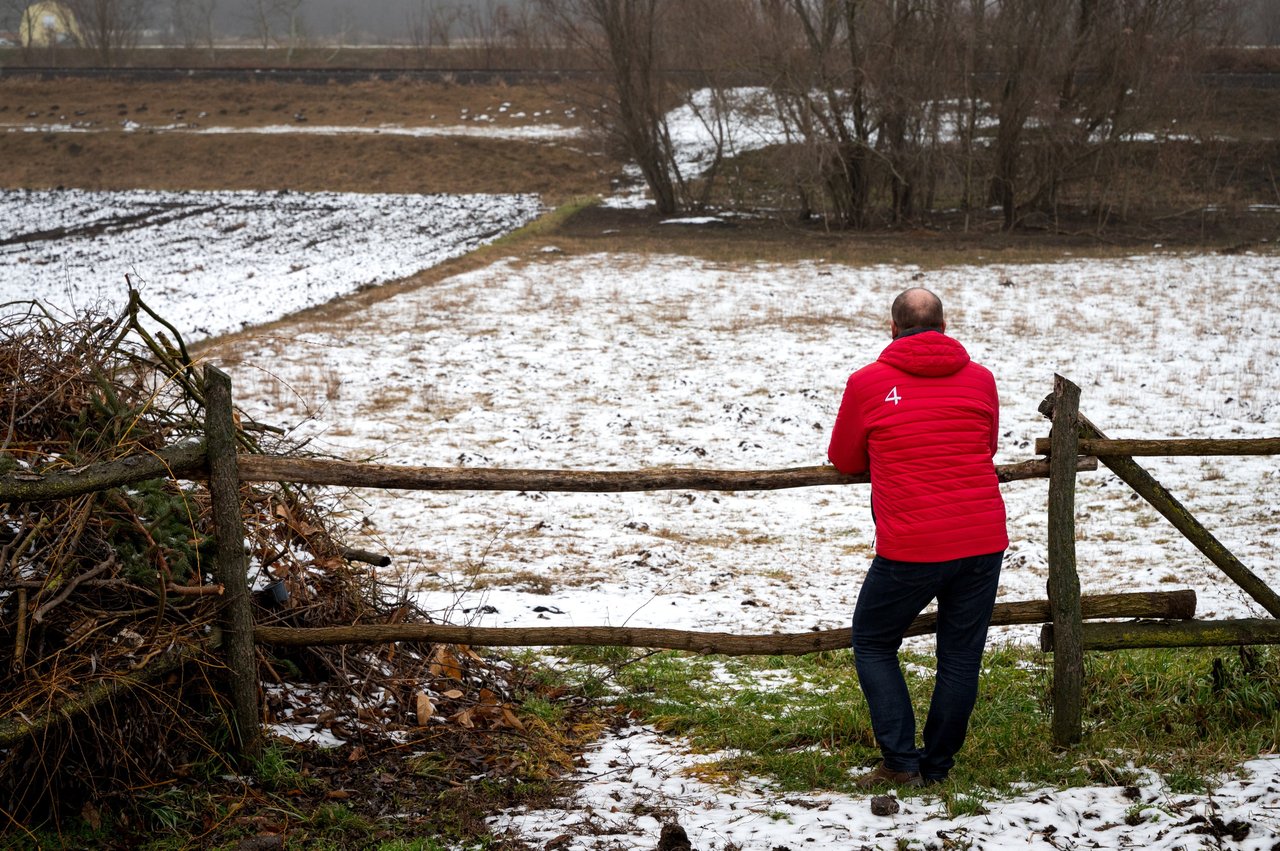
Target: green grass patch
(802, 724)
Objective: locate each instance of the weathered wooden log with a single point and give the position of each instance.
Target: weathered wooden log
(170, 588)
(1160, 604)
(1149, 634)
(1171, 447)
(187, 460)
(231, 563)
(314, 471)
(178, 461)
(375, 559)
(1136, 477)
(1064, 582)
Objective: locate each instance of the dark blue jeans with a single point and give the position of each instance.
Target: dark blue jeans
(894, 593)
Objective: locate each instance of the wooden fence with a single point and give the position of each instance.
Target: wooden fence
(1064, 613)
(1067, 636)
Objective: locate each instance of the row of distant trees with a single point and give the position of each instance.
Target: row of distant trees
(500, 26)
(890, 107)
(881, 108)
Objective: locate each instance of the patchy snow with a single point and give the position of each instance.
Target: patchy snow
(621, 361)
(635, 781)
(213, 262)
(554, 132)
(695, 220)
(487, 129)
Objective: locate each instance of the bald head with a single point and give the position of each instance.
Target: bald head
(916, 309)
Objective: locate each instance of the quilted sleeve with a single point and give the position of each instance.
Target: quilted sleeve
(848, 448)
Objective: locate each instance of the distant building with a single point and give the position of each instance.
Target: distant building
(48, 23)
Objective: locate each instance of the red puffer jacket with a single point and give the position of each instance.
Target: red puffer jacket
(924, 420)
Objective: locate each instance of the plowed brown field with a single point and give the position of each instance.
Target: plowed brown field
(103, 134)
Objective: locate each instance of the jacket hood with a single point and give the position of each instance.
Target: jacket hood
(931, 354)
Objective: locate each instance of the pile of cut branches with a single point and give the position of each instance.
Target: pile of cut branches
(108, 610)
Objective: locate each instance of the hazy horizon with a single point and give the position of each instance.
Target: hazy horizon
(383, 21)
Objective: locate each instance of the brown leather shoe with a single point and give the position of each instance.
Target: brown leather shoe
(882, 776)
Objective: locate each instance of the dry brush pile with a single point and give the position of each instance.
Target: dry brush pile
(109, 613)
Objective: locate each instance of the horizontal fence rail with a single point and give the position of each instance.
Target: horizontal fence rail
(189, 461)
(312, 471)
(1152, 604)
(180, 461)
(1153, 634)
(1171, 447)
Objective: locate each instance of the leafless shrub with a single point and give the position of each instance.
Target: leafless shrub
(629, 42)
(108, 27)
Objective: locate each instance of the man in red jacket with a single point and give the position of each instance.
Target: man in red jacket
(924, 420)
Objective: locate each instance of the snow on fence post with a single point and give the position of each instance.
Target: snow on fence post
(1064, 581)
(231, 566)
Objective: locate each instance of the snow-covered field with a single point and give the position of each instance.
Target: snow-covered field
(618, 361)
(213, 262)
(622, 361)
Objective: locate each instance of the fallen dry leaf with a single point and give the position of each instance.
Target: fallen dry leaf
(424, 709)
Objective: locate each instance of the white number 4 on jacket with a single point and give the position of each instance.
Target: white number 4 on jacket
(893, 396)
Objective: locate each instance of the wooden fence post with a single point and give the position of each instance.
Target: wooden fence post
(232, 565)
(1145, 485)
(1064, 581)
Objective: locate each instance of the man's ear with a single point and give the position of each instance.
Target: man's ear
(943, 329)
(893, 329)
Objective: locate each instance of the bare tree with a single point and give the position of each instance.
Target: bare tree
(483, 26)
(526, 40)
(11, 14)
(1269, 14)
(1262, 22)
(193, 23)
(822, 58)
(273, 21)
(431, 23)
(916, 55)
(1024, 35)
(1077, 78)
(624, 40)
(506, 33)
(109, 27)
(261, 17)
(291, 12)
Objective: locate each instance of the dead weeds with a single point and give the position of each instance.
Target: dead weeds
(116, 717)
